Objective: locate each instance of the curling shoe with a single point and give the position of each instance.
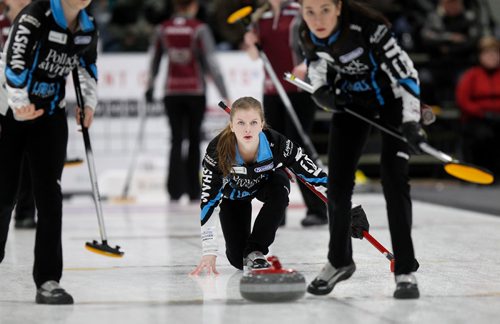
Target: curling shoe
(314, 220)
(255, 260)
(51, 293)
(406, 287)
(328, 277)
(25, 223)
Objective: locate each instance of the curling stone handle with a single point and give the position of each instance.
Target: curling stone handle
(275, 262)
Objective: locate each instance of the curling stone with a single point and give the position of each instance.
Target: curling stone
(273, 284)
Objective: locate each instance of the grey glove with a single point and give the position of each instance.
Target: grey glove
(414, 134)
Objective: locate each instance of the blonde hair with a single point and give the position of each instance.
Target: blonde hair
(487, 43)
(226, 147)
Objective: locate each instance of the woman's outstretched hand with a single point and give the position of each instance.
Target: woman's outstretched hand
(207, 262)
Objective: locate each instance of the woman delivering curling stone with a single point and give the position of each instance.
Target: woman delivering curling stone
(246, 161)
(354, 62)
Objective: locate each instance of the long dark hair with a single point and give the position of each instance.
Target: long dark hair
(349, 7)
(226, 146)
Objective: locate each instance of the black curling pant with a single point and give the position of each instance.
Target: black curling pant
(44, 140)
(236, 217)
(185, 114)
(278, 118)
(25, 206)
(348, 135)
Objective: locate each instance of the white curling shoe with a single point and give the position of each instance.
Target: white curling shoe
(406, 287)
(255, 260)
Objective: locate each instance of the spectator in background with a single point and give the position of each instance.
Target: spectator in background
(450, 36)
(190, 47)
(478, 96)
(484, 14)
(276, 30)
(128, 30)
(410, 21)
(25, 205)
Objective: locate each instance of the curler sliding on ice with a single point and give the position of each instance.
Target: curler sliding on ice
(458, 169)
(359, 225)
(244, 16)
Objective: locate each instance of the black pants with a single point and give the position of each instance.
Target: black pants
(278, 118)
(25, 205)
(348, 135)
(185, 114)
(236, 217)
(45, 141)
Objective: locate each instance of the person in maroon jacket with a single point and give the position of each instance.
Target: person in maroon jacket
(190, 48)
(276, 31)
(478, 96)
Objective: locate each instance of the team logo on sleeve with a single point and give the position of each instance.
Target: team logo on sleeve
(206, 185)
(29, 19)
(19, 48)
(378, 34)
(208, 160)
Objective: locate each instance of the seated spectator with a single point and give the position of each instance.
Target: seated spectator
(478, 96)
(484, 14)
(450, 36)
(408, 24)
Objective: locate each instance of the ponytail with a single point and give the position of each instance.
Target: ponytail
(226, 150)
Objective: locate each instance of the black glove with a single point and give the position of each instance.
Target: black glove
(359, 223)
(149, 95)
(414, 134)
(326, 99)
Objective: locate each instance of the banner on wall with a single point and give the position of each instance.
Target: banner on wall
(124, 76)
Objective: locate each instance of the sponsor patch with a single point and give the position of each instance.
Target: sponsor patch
(57, 37)
(355, 67)
(288, 149)
(239, 170)
(264, 168)
(355, 27)
(44, 89)
(351, 55)
(83, 40)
